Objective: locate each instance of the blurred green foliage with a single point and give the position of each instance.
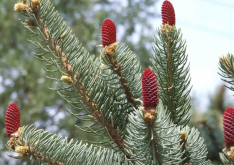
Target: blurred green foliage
(23, 79)
(210, 123)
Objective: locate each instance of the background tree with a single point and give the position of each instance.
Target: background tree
(210, 122)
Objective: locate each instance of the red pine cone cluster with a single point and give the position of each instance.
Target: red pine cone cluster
(108, 33)
(149, 90)
(12, 119)
(168, 13)
(228, 126)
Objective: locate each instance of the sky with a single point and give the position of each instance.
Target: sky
(208, 28)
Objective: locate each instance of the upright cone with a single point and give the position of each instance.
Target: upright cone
(12, 119)
(168, 13)
(228, 126)
(108, 33)
(149, 90)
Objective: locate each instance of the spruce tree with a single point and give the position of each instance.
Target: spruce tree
(28, 86)
(141, 117)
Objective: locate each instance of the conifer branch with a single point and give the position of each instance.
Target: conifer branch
(49, 148)
(194, 147)
(121, 64)
(168, 18)
(84, 94)
(119, 69)
(155, 143)
(170, 67)
(226, 66)
(107, 88)
(31, 152)
(170, 95)
(61, 45)
(172, 72)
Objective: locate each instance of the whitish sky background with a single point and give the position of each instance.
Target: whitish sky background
(208, 27)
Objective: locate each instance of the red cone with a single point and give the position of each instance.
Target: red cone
(149, 90)
(168, 13)
(12, 119)
(228, 126)
(108, 33)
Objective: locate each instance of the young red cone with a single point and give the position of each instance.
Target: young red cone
(108, 33)
(12, 119)
(168, 13)
(228, 126)
(149, 90)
